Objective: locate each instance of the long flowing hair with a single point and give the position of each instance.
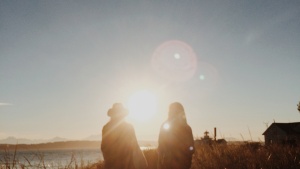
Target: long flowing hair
(176, 113)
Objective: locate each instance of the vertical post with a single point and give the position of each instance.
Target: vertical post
(215, 134)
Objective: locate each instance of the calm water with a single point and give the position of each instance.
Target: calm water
(51, 158)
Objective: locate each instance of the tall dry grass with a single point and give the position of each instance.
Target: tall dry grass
(241, 156)
(246, 156)
(10, 160)
(236, 156)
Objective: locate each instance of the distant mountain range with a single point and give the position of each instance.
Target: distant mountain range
(60, 145)
(14, 140)
(92, 141)
(93, 137)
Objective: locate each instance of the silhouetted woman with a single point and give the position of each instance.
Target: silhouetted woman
(119, 143)
(176, 142)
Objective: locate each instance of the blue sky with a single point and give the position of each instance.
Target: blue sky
(64, 63)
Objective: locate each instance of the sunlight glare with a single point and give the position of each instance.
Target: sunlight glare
(142, 105)
(175, 61)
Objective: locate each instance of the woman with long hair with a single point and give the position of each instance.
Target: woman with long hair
(176, 142)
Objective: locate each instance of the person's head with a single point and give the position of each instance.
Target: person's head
(176, 111)
(117, 111)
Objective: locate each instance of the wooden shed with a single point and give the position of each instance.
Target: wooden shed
(283, 133)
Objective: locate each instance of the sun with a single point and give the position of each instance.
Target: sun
(142, 105)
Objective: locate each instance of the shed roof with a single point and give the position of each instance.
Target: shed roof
(289, 128)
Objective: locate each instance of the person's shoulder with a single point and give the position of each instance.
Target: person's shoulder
(106, 125)
(126, 124)
(185, 127)
(188, 128)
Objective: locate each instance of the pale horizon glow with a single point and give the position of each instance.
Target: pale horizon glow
(6, 104)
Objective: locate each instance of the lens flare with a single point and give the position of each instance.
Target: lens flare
(177, 56)
(202, 77)
(175, 61)
(208, 76)
(166, 126)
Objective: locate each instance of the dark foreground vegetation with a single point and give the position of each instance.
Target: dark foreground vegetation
(247, 156)
(242, 156)
(235, 156)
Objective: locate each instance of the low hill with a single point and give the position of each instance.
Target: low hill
(53, 145)
(83, 144)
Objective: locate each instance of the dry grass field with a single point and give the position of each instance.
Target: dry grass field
(233, 156)
(240, 156)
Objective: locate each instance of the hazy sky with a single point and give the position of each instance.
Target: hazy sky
(64, 63)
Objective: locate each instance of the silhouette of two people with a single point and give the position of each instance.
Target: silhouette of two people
(121, 150)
